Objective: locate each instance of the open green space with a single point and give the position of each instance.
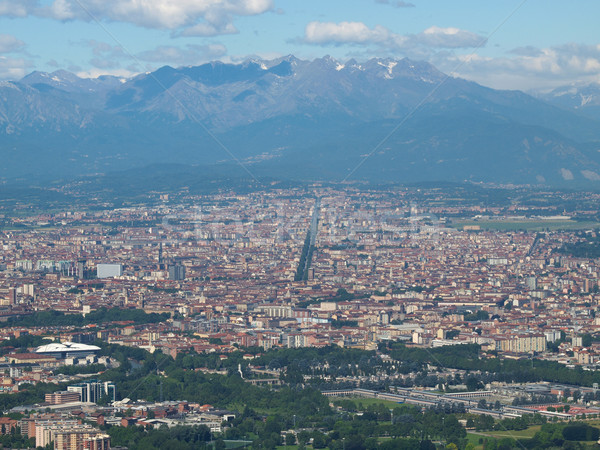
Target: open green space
(528, 433)
(473, 438)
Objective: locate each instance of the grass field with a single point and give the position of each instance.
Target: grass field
(527, 225)
(527, 433)
(474, 437)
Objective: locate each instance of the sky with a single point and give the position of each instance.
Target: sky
(508, 44)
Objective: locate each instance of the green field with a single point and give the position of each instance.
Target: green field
(526, 225)
(473, 437)
(499, 434)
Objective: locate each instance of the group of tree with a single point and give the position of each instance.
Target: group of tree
(305, 258)
(265, 414)
(176, 438)
(100, 316)
(467, 357)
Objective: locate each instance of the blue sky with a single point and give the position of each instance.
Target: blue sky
(509, 44)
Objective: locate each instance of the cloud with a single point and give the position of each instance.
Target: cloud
(325, 33)
(527, 68)
(209, 29)
(10, 44)
(113, 57)
(526, 51)
(22, 8)
(106, 57)
(566, 174)
(14, 68)
(590, 175)
(190, 55)
(199, 17)
(449, 38)
(359, 34)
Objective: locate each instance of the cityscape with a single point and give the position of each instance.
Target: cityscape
(275, 225)
(228, 284)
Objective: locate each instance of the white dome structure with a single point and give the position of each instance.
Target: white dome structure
(67, 350)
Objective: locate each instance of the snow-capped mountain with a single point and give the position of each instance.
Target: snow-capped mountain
(292, 117)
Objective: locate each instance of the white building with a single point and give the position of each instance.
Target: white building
(109, 270)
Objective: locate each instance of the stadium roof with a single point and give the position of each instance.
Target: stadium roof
(55, 347)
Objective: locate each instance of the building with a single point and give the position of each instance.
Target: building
(176, 272)
(60, 397)
(83, 437)
(92, 391)
(276, 310)
(9, 297)
(45, 428)
(32, 358)
(527, 343)
(109, 270)
(68, 434)
(67, 350)
(7, 425)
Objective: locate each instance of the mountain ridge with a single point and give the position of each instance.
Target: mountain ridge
(296, 118)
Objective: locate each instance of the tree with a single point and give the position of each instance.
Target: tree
(303, 437)
(586, 340)
(473, 384)
(319, 440)
(290, 439)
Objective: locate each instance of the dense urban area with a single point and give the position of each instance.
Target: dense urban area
(316, 316)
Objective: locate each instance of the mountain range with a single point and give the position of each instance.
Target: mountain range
(380, 120)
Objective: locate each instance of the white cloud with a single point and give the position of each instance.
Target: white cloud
(566, 174)
(13, 68)
(190, 55)
(345, 33)
(208, 17)
(113, 57)
(9, 44)
(359, 34)
(449, 38)
(106, 56)
(527, 68)
(590, 175)
(209, 29)
(20, 8)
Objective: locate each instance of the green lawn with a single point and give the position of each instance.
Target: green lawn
(474, 439)
(474, 436)
(527, 433)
